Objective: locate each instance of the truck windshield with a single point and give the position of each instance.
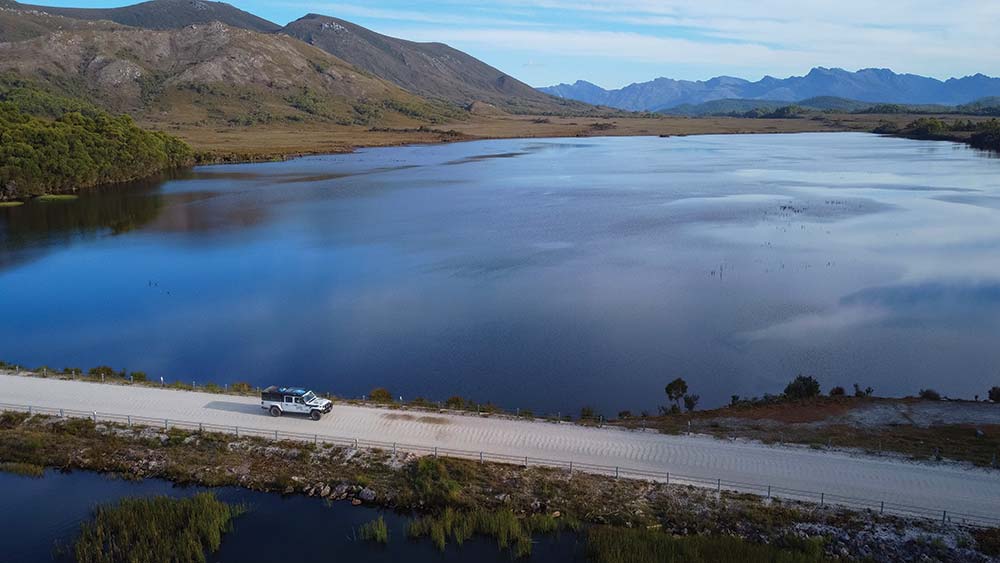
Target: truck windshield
(309, 397)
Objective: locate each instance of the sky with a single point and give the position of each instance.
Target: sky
(613, 43)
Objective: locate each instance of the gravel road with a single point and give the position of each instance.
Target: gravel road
(936, 486)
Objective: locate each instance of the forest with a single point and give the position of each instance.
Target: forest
(53, 144)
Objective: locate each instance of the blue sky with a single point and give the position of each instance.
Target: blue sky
(613, 43)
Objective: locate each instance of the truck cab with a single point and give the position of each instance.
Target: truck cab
(294, 400)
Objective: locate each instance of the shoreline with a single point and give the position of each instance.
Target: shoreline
(424, 485)
(239, 146)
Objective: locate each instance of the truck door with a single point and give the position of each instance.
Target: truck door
(290, 404)
(300, 405)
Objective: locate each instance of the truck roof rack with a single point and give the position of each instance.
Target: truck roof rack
(294, 391)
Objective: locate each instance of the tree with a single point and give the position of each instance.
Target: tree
(454, 403)
(837, 391)
(691, 402)
(802, 387)
(995, 394)
(930, 395)
(676, 390)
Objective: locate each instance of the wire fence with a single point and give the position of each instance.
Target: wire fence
(720, 485)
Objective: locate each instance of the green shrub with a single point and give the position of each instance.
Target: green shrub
(99, 371)
(380, 395)
(433, 483)
(456, 403)
(139, 376)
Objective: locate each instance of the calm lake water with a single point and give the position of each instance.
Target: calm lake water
(544, 274)
(41, 520)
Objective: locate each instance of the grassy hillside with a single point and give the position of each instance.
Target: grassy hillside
(434, 70)
(207, 75)
(54, 144)
(164, 14)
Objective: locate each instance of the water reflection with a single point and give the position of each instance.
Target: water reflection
(543, 274)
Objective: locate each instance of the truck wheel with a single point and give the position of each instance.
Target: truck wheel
(315, 415)
(275, 411)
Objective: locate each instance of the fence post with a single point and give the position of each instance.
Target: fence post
(668, 477)
(881, 509)
(29, 410)
(356, 447)
(944, 516)
(200, 428)
(480, 458)
(571, 467)
(769, 491)
(129, 420)
(435, 449)
(718, 487)
(616, 472)
(315, 439)
(61, 415)
(525, 461)
(237, 431)
(822, 499)
(275, 434)
(95, 416)
(166, 424)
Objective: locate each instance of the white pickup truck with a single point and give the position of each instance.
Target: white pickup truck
(281, 400)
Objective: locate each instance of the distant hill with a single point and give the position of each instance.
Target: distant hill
(212, 73)
(434, 70)
(730, 107)
(18, 23)
(881, 85)
(165, 14)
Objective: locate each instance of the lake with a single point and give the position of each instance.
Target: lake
(41, 520)
(546, 273)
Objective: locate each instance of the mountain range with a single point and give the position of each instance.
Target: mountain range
(193, 61)
(870, 85)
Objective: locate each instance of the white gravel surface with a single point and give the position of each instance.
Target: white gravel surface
(936, 486)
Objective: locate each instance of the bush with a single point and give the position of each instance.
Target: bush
(930, 395)
(456, 403)
(675, 391)
(380, 395)
(99, 371)
(837, 391)
(587, 413)
(138, 376)
(624, 415)
(866, 392)
(691, 402)
(995, 394)
(802, 387)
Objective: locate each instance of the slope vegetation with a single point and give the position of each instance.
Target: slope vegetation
(433, 70)
(55, 144)
(165, 14)
(212, 73)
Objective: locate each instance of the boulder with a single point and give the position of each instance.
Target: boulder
(367, 495)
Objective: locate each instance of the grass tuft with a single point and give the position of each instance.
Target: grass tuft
(509, 531)
(637, 545)
(375, 531)
(156, 529)
(23, 469)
